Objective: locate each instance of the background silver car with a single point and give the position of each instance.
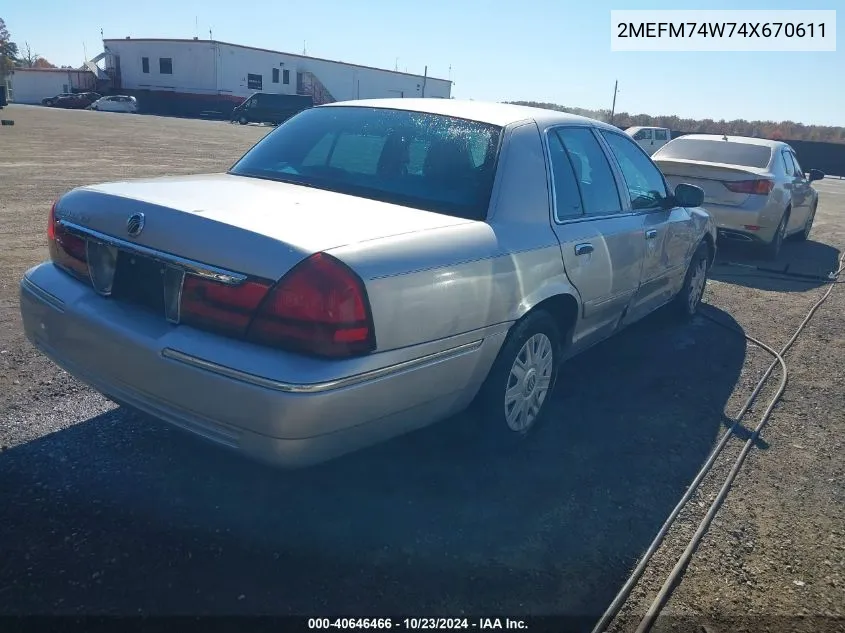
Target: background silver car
(755, 189)
(366, 269)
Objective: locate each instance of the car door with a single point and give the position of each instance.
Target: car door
(601, 244)
(801, 196)
(668, 231)
(645, 139)
(661, 137)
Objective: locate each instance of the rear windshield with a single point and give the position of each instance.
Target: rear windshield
(427, 161)
(713, 151)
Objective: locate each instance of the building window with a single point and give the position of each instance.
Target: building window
(145, 64)
(254, 82)
(286, 77)
(165, 65)
(275, 75)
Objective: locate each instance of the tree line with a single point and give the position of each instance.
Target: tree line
(774, 130)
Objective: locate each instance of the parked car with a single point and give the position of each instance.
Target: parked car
(115, 103)
(75, 101)
(49, 101)
(650, 139)
(367, 268)
(265, 107)
(755, 189)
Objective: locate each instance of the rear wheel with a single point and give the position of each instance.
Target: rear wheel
(772, 249)
(514, 399)
(688, 299)
(243, 120)
(808, 226)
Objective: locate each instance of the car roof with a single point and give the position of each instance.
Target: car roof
(747, 140)
(500, 114)
(637, 128)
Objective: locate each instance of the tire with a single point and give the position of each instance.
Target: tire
(804, 235)
(688, 300)
(510, 408)
(773, 248)
(243, 120)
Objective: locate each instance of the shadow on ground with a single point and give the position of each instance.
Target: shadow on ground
(122, 514)
(800, 266)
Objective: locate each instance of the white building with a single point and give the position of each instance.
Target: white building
(31, 85)
(191, 74)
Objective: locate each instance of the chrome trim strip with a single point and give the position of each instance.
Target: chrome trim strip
(42, 294)
(319, 387)
(221, 275)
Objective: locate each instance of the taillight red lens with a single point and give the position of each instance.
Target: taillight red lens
(319, 307)
(66, 250)
(758, 186)
(211, 305)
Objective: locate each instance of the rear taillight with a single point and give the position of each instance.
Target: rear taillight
(211, 305)
(66, 250)
(758, 186)
(319, 307)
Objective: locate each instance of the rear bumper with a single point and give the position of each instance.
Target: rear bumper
(270, 405)
(732, 223)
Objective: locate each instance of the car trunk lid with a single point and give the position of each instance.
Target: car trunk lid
(255, 227)
(711, 177)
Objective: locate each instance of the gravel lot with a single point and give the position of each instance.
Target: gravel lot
(107, 512)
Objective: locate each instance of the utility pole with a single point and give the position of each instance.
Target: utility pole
(613, 107)
(425, 80)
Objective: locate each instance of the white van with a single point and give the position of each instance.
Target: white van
(650, 139)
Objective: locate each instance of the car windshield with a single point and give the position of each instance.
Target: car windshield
(717, 151)
(427, 161)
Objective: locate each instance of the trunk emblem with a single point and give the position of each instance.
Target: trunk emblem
(135, 224)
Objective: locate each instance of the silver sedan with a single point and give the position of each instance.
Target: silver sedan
(366, 269)
(755, 189)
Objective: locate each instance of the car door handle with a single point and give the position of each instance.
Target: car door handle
(651, 234)
(584, 249)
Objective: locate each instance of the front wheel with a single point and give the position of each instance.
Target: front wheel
(514, 399)
(688, 299)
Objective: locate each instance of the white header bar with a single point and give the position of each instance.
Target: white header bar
(723, 30)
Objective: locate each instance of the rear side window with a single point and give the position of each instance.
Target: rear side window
(592, 171)
(798, 169)
(717, 151)
(787, 163)
(567, 193)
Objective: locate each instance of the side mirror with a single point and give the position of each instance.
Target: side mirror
(689, 195)
(816, 174)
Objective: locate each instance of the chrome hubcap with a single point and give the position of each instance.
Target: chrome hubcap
(696, 285)
(528, 383)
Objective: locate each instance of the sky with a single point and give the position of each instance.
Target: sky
(533, 50)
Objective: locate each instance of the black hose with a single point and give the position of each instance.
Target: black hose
(677, 571)
(623, 594)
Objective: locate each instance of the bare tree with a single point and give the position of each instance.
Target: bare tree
(27, 58)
